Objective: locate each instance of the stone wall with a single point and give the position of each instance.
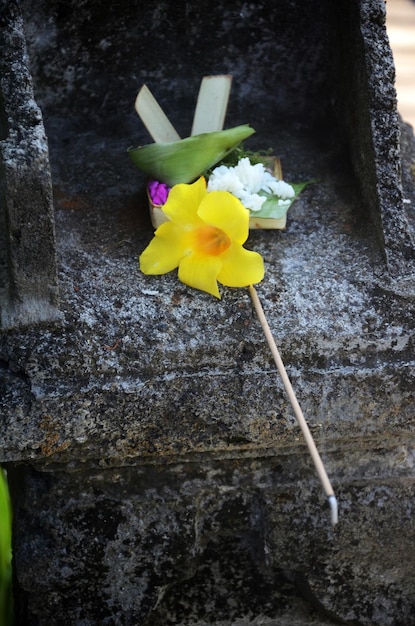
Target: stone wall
(157, 472)
(29, 284)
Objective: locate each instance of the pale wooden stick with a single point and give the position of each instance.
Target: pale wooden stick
(321, 471)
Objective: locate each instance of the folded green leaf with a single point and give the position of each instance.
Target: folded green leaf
(183, 161)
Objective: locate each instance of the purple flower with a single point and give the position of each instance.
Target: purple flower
(158, 192)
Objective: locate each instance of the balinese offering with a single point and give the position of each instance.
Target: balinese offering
(205, 193)
(255, 178)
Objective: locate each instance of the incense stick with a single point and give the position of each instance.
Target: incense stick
(321, 471)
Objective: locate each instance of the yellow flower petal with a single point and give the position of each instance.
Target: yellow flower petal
(204, 240)
(225, 211)
(241, 267)
(165, 250)
(183, 202)
(200, 271)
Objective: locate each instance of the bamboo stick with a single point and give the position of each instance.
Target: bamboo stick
(321, 471)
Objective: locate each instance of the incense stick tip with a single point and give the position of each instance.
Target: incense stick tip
(334, 509)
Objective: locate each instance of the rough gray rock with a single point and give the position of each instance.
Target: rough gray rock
(29, 283)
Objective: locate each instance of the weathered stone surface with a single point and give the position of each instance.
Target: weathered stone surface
(217, 542)
(28, 276)
(366, 106)
(144, 366)
(157, 472)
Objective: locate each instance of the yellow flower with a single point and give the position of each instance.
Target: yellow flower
(204, 238)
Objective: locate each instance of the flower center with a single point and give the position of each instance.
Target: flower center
(211, 240)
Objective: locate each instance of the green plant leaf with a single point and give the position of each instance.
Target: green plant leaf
(6, 601)
(273, 208)
(185, 160)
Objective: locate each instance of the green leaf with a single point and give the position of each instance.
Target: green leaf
(272, 207)
(6, 601)
(185, 160)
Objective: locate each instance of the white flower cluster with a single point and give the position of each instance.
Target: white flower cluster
(246, 181)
